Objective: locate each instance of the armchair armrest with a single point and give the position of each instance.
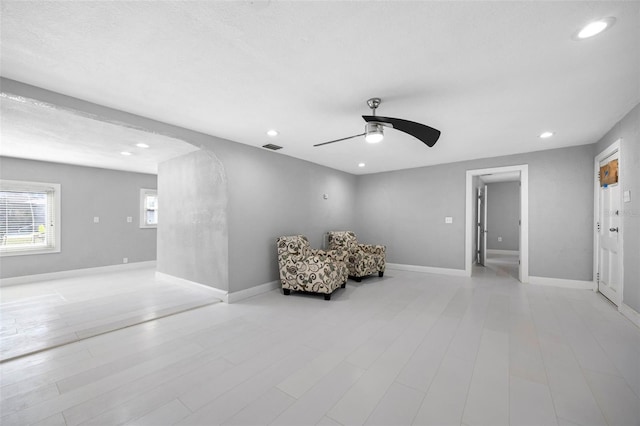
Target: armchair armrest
(372, 248)
(335, 254)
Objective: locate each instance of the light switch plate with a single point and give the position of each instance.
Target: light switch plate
(129, 219)
(626, 196)
(448, 219)
(96, 219)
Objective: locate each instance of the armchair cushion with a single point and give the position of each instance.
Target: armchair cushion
(362, 259)
(305, 269)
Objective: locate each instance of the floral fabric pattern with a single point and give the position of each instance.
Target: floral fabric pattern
(362, 259)
(305, 269)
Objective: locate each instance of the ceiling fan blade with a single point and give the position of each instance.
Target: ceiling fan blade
(426, 134)
(338, 140)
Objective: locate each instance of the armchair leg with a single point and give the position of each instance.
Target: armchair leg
(286, 291)
(358, 279)
(380, 273)
(327, 296)
(344, 285)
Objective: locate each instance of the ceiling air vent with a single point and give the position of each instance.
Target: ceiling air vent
(272, 147)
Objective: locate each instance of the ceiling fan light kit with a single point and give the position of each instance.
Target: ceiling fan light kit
(373, 132)
(373, 129)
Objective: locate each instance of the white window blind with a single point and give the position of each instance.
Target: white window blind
(28, 217)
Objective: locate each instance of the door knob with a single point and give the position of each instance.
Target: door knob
(613, 229)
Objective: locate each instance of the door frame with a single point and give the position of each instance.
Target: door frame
(524, 216)
(476, 255)
(608, 151)
(485, 223)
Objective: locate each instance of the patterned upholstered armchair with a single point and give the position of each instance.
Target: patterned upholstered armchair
(362, 259)
(305, 269)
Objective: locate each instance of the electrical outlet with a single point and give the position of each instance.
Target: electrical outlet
(125, 260)
(499, 239)
(96, 219)
(448, 219)
(129, 219)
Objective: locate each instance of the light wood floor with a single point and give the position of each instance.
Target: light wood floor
(47, 314)
(409, 348)
(503, 264)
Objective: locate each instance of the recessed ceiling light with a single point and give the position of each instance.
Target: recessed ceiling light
(142, 145)
(595, 28)
(272, 133)
(125, 153)
(546, 135)
(361, 164)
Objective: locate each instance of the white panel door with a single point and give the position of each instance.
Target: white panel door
(609, 261)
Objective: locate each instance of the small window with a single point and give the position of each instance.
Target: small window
(29, 218)
(148, 208)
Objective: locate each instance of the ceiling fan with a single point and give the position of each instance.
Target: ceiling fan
(373, 132)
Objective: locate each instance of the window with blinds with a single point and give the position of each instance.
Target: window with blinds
(29, 215)
(148, 208)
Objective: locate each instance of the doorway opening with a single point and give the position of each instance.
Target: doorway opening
(512, 256)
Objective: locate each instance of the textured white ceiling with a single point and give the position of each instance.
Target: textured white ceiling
(490, 75)
(38, 131)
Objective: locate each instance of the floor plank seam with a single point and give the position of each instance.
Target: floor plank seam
(80, 339)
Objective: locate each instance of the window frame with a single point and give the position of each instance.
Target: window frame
(144, 193)
(28, 186)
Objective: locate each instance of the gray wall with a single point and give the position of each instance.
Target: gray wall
(86, 192)
(405, 210)
(269, 194)
(503, 214)
(629, 130)
(192, 230)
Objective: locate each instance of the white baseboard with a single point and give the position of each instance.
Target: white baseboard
(216, 292)
(560, 282)
(496, 251)
(223, 295)
(236, 296)
(630, 313)
(427, 269)
(27, 279)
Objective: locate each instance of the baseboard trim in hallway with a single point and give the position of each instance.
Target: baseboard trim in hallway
(497, 251)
